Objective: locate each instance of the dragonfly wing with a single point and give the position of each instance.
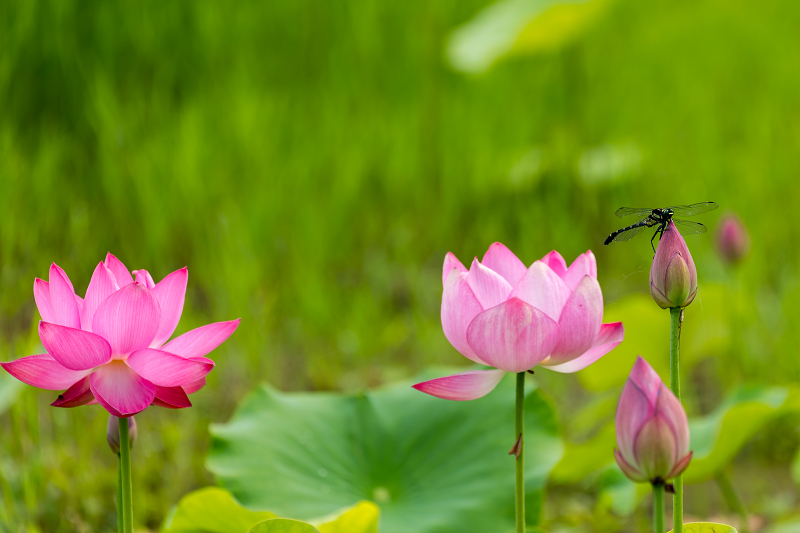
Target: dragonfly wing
(629, 234)
(638, 211)
(693, 209)
(687, 227)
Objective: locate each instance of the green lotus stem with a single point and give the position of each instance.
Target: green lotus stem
(126, 487)
(659, 524)
(519, 427)
(120, 524)
(732, 499)
(676, 318)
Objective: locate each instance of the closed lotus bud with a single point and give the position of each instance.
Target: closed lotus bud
(112, 432)
(652, 429)
(673, 277)
(733, 241)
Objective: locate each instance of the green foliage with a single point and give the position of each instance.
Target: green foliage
(213, 510)
(283, 525)
(718, 437)
(431, 465)
(706, 527)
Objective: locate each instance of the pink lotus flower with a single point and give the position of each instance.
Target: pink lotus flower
(673, 277)
(733, 241)
(502, 314)
(652, 429)
(109, 347)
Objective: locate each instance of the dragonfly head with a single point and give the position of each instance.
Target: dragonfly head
(668, 212)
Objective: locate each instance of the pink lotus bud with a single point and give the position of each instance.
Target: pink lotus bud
(652, 429)
(112, 432)
(733, 241)
(673, 277)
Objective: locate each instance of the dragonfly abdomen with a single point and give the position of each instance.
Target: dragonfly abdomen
(645, 222)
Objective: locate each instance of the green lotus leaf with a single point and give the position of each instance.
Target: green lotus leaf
(706, 527)
(431, 465)
(361, 518)
(283, 525)
(212, 510)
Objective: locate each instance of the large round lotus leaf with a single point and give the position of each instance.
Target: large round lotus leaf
(431, 465)
(211, 510)
(283, 525)
(706, 527)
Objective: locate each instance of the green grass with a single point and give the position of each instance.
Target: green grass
(312, 161)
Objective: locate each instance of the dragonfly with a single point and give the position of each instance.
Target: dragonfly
(659, 218)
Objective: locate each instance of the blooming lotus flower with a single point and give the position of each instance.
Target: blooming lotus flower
(733, 241)
(504, 315)
(652, 429)
(112, 432)
(673, 277)
(111, 348)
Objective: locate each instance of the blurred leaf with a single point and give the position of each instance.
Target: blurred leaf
(10, 388)
(361, 518)
(283, 525)
(580, 460)
(428, 463)
(718, 437)
(212, 510)
(707, 527)
(518, 26)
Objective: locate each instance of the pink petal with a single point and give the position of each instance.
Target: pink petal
(580, 321)
(168, 370)
(632, 473)
(465, 386)
(120, 390)
(513, 336)
(144, 277)
(584, 265)
(78, 394)
(488, 286)
(646, 379)
(44, 372)
(504, 262)
(609, 337)
(101, 286)
(451, 262)
(459, 307)
(543, 289)
(633, 411)
(170, 293)
(121, 274)
(62, 299)
(556, 263)
(73, 348)
(171, 398)
(128, 319)
(670, 409)
(655, 448)
(41, 293)
(201, 341)
(680, 466)
(194, 386)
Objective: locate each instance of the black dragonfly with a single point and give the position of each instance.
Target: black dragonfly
(659, 218)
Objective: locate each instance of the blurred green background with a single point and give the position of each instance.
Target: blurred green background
(313, 161)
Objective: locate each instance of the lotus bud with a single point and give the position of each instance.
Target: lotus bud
(652, 429)
(733, 241)
(112, 432)
(673, 277)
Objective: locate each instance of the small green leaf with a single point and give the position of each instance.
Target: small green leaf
(283, 525)
(212, 510)
(706, 527)
(361, 518)
(429, 464)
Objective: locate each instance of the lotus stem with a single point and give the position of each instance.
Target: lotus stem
(659, 524)
(676, 319)
(519, 427)
(120, 524)
(126, 492)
